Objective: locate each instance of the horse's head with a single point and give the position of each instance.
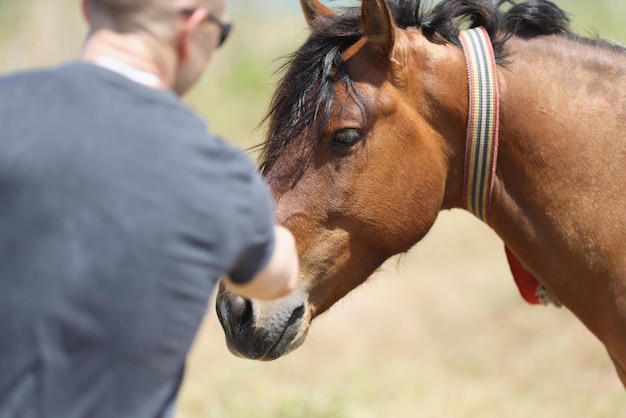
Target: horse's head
(356, 159)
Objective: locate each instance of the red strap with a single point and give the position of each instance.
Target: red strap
(527, 283)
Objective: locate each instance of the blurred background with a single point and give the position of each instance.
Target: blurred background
(440, 332)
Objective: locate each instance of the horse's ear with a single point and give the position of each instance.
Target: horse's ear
(313, 9)
(379, 27)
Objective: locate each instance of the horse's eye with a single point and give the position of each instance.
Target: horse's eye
(347, 137)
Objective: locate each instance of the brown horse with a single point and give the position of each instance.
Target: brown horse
(366, 145)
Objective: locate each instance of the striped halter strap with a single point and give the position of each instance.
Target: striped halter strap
(481, 148)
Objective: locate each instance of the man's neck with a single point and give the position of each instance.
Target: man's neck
(132, 55)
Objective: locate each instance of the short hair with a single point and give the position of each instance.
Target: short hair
(154, 16)
(134, 6)
(128, 15)
(119, 7)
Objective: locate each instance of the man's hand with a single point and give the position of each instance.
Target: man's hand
(279, 276)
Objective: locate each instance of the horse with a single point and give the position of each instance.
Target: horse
(367, 142)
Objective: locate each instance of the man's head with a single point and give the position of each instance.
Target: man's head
(181, 34)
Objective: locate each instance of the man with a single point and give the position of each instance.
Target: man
(118, 215)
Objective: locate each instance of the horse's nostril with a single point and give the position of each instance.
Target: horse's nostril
(238, 306)
(296, 315)
(240, 312)
(246, 314)
(235, 313)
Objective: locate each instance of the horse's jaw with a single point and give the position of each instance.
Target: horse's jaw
(263, 330)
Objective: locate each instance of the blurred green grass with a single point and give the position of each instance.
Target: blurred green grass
(234, 94)
(440, 335)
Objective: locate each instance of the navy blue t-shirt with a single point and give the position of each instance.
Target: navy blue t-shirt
(118, 215)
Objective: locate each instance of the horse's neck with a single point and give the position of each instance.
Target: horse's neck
(562, 158)
(562, 81)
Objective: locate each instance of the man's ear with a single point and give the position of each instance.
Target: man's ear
(189, 32)
(86, 11)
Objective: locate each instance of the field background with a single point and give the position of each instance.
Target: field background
(441, 332)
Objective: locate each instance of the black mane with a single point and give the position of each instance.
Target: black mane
(307, 87)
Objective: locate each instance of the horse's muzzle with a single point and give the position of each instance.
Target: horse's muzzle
(262, 330)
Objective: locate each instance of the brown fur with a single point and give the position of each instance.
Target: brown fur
(558, 203)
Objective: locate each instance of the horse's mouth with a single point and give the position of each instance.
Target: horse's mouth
(265, 339)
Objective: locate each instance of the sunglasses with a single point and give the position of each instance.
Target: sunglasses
(225, 28)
